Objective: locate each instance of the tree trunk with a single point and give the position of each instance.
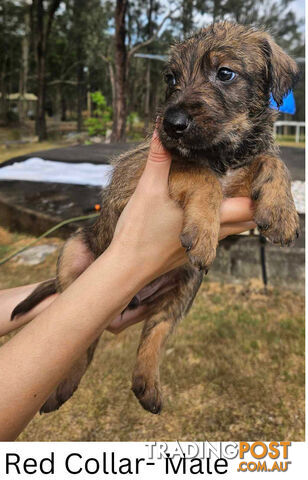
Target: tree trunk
(42, 22)
(216, 6)
(78, 35)
(40, 121)
(57, 103)
(63, 107)
(113, 85)
(148, 72)
(119, 114)
(147, 97)
(79, 95)
(187, 17)
(3, 72)
(3, 99)
(23, 79)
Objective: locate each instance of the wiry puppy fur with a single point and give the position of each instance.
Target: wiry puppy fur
(217, 124)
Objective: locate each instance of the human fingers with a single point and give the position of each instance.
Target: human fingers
(236, 210)
(156, 172)
(227, 229)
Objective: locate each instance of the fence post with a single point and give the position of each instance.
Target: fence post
(297, 133)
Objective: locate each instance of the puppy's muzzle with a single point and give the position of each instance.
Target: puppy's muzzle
(176, 122)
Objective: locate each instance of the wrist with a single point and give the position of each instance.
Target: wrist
(132, 270)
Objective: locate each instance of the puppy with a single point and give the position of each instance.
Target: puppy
(217, 124)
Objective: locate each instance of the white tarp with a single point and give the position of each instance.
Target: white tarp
(39, 170)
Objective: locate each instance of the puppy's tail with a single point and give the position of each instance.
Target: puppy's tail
(42, 291)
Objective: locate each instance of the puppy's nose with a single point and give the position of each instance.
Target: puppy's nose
(176, 121)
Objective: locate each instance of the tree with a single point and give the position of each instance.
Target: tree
(150, 27)
(24, 67)
(187, 16)
(79, 33)
(86, 46)
(11, 32)
(41, 20)
(120, 59)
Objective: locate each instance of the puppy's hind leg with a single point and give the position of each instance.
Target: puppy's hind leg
(75, 258)
(157, 328)
(73, 261)
(146, 381)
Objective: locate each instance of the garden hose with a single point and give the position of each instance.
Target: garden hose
(56, 227)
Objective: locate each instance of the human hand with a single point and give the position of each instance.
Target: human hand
(236, 216)
(148, 230)
(150, 225)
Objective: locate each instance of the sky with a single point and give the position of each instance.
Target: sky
(299, 8)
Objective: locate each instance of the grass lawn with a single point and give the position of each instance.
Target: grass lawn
(234, 370)
(289, 141)
(18, 150)
(9, 149)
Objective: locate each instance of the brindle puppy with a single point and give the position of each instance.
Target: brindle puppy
(218, 126)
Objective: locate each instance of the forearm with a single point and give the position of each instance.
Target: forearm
(54, 340)
(236, 215)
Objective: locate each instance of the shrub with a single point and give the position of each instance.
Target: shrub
(97, 124)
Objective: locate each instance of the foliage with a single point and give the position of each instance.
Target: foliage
(97, 124)
(81, 51)
(132, 119)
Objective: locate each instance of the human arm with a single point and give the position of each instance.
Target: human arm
(235, 216)
(146, 245)
(39, 356)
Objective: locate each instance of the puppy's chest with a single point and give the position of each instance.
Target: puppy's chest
(234, 183)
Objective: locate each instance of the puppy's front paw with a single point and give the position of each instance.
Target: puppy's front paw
(279, 222)
(200, 244)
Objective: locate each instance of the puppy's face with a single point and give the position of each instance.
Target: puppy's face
(218, 87)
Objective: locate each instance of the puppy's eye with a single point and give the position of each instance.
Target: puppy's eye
(170, 80)
(226, 75)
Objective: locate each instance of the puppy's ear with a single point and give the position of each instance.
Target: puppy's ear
(282, 69)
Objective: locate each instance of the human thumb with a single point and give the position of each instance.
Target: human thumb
(157, 168)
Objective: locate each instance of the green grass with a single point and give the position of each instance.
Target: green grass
(234, 370)
(289, 141)
(25, 149)
(10, 134)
